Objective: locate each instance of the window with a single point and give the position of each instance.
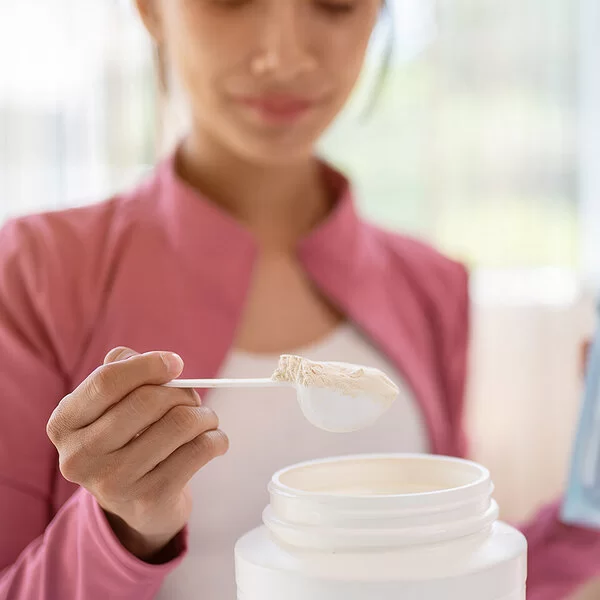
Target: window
(483, 141)
(77, 102)
(475, 142)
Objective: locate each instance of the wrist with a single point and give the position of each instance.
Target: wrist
(153, 549)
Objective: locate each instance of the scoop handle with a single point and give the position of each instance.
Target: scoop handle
(202, 384)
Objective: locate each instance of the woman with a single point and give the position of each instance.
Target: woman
(240, 246)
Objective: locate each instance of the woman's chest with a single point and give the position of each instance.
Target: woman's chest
(283, 308)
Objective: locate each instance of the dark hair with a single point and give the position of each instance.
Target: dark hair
(380, 81)
(386, 61)
(161, 69)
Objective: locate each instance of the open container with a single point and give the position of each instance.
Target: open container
(382, 527)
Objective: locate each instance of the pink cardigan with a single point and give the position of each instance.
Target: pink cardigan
(162, 268)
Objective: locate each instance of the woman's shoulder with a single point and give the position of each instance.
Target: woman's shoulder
(56, 269)
(70, 230)
(62, 263)
(63, 239)
(424, 265)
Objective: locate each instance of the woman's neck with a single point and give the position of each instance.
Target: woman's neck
(278, 204)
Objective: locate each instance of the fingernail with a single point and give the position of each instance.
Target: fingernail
(174, 363)
(196, 397)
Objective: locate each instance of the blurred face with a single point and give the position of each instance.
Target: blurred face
(263, 77)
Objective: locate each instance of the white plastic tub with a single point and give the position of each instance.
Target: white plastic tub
(381, 528)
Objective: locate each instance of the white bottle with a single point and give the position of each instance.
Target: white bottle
(382, 527)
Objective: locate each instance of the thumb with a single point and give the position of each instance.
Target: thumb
(118, 354)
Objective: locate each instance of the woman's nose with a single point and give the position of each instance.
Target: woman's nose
(284, 50)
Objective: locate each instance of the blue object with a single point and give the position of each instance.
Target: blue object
(582, 501)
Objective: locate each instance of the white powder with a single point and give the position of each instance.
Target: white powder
(346, 379)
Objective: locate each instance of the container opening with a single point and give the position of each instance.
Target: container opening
(380, 476)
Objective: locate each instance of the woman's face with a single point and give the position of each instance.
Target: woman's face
(264, 78)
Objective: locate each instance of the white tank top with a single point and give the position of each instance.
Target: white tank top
(267, 432)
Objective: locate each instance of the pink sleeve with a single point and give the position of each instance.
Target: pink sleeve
(79, 558)
(72, 554)
(561, 557)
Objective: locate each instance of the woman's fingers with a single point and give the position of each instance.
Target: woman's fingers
(176, 428)
(176, 471)
(108, 385)
(126, 420)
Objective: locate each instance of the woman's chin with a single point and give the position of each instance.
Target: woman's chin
(275, 152)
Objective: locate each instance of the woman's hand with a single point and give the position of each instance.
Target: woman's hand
(134, 445)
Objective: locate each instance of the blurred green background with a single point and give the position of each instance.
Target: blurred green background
(472, 144)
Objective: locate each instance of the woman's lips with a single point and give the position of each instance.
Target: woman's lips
(278, 108)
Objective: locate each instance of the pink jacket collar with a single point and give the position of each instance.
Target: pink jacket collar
(195, 222)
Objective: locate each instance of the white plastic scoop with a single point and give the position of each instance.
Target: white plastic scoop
(336, 397)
